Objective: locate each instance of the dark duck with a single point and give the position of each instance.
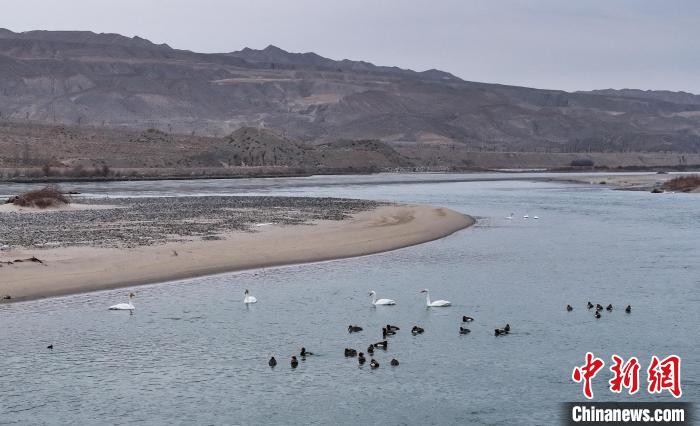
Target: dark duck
(416, 330)
(354, 328)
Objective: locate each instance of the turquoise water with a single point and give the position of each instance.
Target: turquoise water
(193, 353)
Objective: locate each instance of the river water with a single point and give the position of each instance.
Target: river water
(194, 354)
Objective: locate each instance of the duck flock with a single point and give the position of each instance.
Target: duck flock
(599, 308)
(388, 330)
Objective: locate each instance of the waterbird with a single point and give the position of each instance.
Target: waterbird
(304, 352)
(354, 329)
(382, 345)
(463, 330)
(361, 358)
(50, 347)
(392, 327)
(504, 330)
(272, 362)
(609, 308)
(373, 363)
(248, 298)
(590, 305)
(376, 301)
(467, 319)
(510, 216)
(435, 304)
(386, 332)
(370, 349)
(628, 309)
(294, 362)
(526, 217)
(569, 308)
(535, 217)
(598, 307)
(124, 306)
(394, 362)
(350, 352)
(597, 314)
(416, 330)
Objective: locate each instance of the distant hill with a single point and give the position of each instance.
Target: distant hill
(76, 79)
(35, 150)
(249, 146)
(274, 57)
(659, 95)
(65, 149)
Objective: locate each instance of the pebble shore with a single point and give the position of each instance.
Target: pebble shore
(148, 221)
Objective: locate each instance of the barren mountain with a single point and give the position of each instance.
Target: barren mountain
(108, 81)
(37, 150)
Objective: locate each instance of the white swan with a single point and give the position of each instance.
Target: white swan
(526, 217)
(510, 216)
(535, 217)
(380, 301)
(124, 306)
(248, 298)
(435, 304)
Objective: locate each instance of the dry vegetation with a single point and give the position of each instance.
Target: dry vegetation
(49, 196)
(687, 183)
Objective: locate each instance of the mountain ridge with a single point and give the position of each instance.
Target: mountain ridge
(79, 78)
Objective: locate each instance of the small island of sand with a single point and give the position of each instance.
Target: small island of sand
(125, 242)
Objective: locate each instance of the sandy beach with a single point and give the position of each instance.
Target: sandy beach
(75, 269)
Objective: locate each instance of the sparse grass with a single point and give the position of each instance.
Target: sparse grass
(683, 183)
(49, 196)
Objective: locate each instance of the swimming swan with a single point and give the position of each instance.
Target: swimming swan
(376, 302)
(124, 306)
(435, 304)
(248, 298)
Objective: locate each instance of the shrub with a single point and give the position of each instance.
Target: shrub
(49, 196)
(683, 183)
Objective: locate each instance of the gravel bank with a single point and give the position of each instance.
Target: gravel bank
(147, 221)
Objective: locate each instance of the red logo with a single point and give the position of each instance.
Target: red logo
(587, 372)
(665, 374)
(662, 374)
(626, 375)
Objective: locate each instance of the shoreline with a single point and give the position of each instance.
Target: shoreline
(50, 180)
(71, 270)
(645, 182)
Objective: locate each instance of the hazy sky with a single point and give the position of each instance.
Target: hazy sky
(559, 44)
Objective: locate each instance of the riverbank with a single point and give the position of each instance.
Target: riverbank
(76, 269)
(630, 182)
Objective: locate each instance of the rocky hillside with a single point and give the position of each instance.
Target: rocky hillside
(78, 79)
(84, 150)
